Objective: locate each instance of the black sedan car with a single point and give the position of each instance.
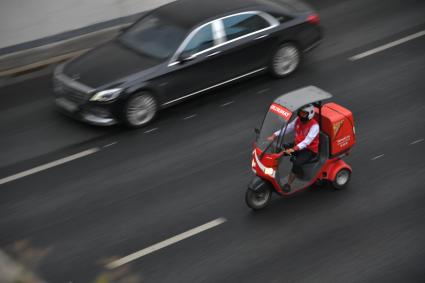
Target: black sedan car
(183, 49)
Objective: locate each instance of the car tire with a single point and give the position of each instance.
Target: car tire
(341, 179)
(285, 60)
(139, 109)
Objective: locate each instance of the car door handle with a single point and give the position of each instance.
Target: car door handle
(214, 53)
(261, 36)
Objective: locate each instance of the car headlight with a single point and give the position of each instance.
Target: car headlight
(106, 95)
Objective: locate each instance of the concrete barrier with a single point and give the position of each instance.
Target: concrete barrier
(24, 21)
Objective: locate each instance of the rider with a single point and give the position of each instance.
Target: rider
(306, 142)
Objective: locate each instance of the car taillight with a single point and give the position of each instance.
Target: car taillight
(314, 19)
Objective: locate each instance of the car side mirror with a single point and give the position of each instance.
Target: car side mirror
(185, 56)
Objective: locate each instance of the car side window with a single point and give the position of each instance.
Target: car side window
(243, 24)
(203, 39)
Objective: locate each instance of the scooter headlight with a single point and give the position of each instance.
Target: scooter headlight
(270, 171)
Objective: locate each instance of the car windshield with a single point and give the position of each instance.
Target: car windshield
(154, 37)
(276, 119)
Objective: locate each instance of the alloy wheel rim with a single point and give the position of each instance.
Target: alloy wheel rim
(141, 110)
(286, 60)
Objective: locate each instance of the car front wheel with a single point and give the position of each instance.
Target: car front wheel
(285, 60)
(140, 109)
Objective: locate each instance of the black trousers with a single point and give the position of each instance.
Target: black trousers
(300, 158)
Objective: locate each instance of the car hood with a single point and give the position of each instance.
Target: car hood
(108, 64)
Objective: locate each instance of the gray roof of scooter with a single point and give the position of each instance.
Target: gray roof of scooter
(296, 99)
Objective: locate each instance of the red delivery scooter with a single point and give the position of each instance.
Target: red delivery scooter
(271, 166)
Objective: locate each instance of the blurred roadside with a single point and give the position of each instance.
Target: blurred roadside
(48, 32)
(24, 61)
(13, 272)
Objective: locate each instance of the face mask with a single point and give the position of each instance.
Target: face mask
(304, 120)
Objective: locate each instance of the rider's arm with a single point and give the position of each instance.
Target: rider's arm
(289, 128)
(314, 131)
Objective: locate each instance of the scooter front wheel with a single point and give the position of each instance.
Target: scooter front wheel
(257, 200)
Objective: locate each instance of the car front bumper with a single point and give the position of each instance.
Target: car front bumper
(99, 115)
(73, 99)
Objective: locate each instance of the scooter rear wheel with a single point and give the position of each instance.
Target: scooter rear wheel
(258, 200)
(341, 179)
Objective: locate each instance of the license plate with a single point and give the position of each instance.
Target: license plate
(66, 104)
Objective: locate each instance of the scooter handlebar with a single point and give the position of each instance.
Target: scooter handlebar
(284, 153)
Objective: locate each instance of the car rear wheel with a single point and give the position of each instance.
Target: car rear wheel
(140, 109)
(285, 60)
(341, 179)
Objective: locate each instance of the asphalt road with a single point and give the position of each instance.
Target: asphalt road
(142, 187)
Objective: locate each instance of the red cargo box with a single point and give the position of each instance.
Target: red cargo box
(338, 124)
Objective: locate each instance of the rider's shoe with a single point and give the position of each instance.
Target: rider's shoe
(286, 188)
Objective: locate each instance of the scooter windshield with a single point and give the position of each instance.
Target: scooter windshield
(275, 121)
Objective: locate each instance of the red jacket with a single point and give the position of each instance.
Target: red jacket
(301, 132)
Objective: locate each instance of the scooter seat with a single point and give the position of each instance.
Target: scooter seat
(313, 166)
(314, 159)
(323, 149)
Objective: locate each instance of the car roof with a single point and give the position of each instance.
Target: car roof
(190, 13)
(298, 98)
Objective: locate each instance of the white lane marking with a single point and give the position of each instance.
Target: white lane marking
(227, 103)
(387, 46)
(190, 117)
(165, 243)
(151, 130)
(48, 165)
(110, 144)
(376, 157)
(263, 90)
(417, 141)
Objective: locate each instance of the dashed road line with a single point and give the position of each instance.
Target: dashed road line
(387, 46)
(110, 144)
(190, 117)
(227, 103)
(416, 141)
(263, 90)
(151, 130)
(166, 243)
(48, 165)
(376, 157)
